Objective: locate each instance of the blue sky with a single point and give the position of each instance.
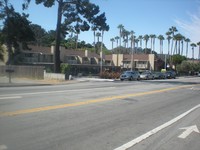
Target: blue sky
(141, 16)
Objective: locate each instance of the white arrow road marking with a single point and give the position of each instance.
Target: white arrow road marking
(154, 131)
(188, 131)
(3, 147)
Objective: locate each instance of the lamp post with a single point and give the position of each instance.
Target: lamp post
(101, 54)
(133, 47)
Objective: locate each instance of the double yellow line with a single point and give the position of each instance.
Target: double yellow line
(46, 108)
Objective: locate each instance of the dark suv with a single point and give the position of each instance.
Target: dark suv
(170, 74)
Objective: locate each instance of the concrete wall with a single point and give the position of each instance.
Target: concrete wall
(54, 76)
(33, 72)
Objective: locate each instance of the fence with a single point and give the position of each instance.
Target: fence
(33, 72)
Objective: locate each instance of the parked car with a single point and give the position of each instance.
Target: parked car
(170, 74)
(198, 74)
(158, 75)
(130, 75)
(146, 75)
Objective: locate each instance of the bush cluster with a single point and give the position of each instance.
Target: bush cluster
(188, 68)
(109, 75)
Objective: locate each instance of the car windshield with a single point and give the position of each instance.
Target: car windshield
(144, 73)
(127, 72)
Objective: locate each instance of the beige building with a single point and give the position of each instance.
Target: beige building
(44, 56)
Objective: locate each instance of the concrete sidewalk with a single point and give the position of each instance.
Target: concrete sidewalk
(16, 82)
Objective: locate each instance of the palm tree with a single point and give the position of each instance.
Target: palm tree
(178, 38)
(125, 35)
(172, 30)
(152, 37)
(120, 27)
(168, 39)
(193, 45)
(136, 42)
(161, 38)
(146, 39)
(117, 40)
(182, 44)
(187, 41)
(140, 37)
(199, 50)
(112, 40)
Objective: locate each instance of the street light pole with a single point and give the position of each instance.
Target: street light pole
(133, 47)
(101, 54)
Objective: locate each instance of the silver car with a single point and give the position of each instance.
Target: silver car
(130, 75)
(146, 75)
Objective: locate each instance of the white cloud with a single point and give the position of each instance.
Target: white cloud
(191, 27)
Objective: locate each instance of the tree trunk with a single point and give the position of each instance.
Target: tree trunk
(57, 47)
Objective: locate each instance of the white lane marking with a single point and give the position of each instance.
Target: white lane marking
(3, 147)
(62, 91)
(154, 131)
(188, 131)
(13, 97)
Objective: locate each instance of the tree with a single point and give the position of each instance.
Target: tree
(81, 11)
(146, 39)
(117, 40)
(16, 31)
(199, 50)
(49, 38)
(126, 35)
(39, 34)
(120, 27)
(94, 29)
(178, 38)
(140, 37)
(112, 41)
(161, 38)
(177, 59)
(187, 40)
(152, 38)
(1, 53)
(136, 42)
(193, 45)
(168, 39)
(172, 30)
(182, 43)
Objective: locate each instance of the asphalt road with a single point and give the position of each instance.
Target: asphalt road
(136, 115)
